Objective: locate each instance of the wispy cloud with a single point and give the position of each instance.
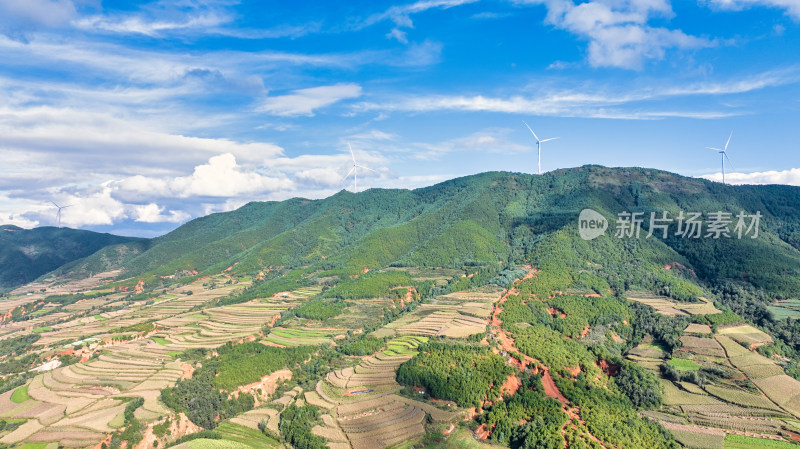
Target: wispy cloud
(792, 7)
(595, 101)
(306, 101)
(401, 15)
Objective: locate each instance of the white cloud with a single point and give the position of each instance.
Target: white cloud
(152, 28)
(398, 35)
(98, 143)
(789, 177)
(221, 177)
(401, 15)
(17, 14)
(618, 31)
(792, 7)
(152, 213)
(306, 101)
(95, 206)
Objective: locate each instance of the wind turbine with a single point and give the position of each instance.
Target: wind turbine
(723, 154)
(354, 170)
(59, 211)
(539, 145)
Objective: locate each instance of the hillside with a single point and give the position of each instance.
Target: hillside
(486, 218)
(27, 254)
(468, 314)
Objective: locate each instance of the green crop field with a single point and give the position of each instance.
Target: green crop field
(683, 364)
(20, 395)
(160, 340)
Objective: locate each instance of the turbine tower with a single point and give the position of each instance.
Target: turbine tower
(723, 154)
(59, 211)
(539, 145)
(354, 170)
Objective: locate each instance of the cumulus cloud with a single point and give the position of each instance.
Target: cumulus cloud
(789, 177)
(153, 213)
(306, 101)
(221, 177)
(618, 31)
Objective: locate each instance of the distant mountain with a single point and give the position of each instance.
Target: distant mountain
(497, 218)
(27, 254)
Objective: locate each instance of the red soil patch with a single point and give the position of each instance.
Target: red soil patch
(365, 270)
(230, 267)
(188, 371)
(608, 368)
(279, 294)
(551, 389)
(512, 384)
(553, 312)
(264, 388)
(483, 432)
(274, 345)
(181, 426)
(679, 267)
(574, 371)
(585, 331)
(139, 287)
(450, 429)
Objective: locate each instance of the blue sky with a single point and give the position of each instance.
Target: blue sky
(143, 115)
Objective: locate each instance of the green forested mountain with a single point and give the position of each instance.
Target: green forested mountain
(27, 254)
(496, 218)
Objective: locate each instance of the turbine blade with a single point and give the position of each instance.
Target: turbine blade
(351, 152)
(552, 138)
(715, 149)
(366, 168)
(56, 205)
(348, 174)
(729, 140)
(531, 130)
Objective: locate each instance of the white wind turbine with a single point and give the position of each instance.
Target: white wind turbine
(354, 170)
(723, 154)
(59, 211)
(539, 145)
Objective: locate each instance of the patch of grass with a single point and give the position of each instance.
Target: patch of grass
(160, 340)
(741, 442)
(683, 364)
(100, 318)
(39, 330)
(34, 445)
(20, 395)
